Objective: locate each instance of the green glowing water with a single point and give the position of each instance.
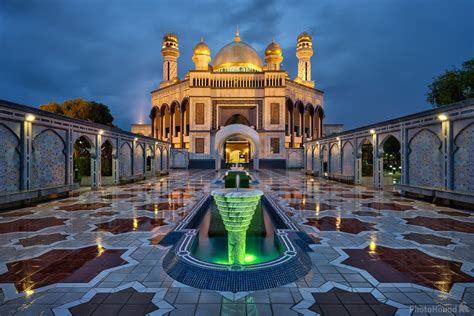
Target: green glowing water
(236, 208)
(212, 244)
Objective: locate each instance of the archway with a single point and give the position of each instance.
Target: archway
(325, 159)
(82, 161)
(106, 162)
(367, 156)
(149, 159)
(241, 133)
(237, 119)
(391, 160)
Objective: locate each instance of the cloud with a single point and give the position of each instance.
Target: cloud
(371, 57)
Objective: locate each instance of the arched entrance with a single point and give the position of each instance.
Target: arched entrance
(237, 141)
(391, 160)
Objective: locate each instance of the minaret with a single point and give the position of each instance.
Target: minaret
(201, 56)
(170, 52)
(304, 51)
(273, 56)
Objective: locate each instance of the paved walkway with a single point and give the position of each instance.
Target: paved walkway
(375, 253)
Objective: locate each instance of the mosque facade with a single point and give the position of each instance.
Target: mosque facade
(236, 108)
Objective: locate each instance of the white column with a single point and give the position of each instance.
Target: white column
(447, 148)
(96, 163)
(69, 158)
(377, 162)
(116, 162)
(26, 142)
(404, 155)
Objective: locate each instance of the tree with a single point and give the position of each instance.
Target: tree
(82, 109)
(452, 86)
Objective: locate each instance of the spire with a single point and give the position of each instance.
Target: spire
(202, 39)
(237, 35)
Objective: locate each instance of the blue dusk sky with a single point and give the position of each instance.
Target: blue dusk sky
(373, 58)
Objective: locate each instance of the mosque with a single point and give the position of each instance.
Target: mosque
(235, 108)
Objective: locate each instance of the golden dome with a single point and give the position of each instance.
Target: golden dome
(273, 49)
(237, 56)
(304, 36)
(202, 49)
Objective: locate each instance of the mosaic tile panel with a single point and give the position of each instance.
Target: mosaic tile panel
(9, 161)
(463, 165)
(346, 225)
(61, 266)
(389, 265)
(343, 303)
(125, 160)
(48, 160)
(425, 160)
(138, 159)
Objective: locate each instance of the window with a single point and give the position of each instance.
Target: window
(274, 113)
(199, 115)
(199, 145)
(275, 145)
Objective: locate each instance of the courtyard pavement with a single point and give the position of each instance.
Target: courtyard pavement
(374, 253)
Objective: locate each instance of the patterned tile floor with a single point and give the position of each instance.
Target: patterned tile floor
(375, 253)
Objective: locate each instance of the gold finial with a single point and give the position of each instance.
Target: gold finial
(202, 39)
(237, 35)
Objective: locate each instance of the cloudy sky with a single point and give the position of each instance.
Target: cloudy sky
(373, 58)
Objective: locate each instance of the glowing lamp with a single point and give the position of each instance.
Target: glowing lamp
(30, 117)
(442, 117)
(135, 139)
(337, 138)
(372, 131)
(101, 132)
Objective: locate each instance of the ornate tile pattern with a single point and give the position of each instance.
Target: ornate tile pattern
(340, 302)
(442, 224)
(346, 225)
(9, 160)
(389, 265)
(428, 239)
(29, 225)
(125, 302)
(42, 240)
(388, 206)
(61, 266)
(125, 225)
(144, 273)
(84, 206)
(48, 160)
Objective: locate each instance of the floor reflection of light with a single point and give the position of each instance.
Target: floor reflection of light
(318, 208)
(338, 222)
(135, 224)
(29, 292)
(373, 243)
(100, 248)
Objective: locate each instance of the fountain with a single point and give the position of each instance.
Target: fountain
(236, 207)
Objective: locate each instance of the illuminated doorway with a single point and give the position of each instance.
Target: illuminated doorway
(237, 151)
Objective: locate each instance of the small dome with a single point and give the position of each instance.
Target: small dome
(273, 49)
(202, 49)
(305, 36)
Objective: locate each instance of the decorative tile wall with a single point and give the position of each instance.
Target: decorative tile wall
(9, 161)
(463, 160)
(125, 160)
(335, 164)
(425, 160)
(48, 160)
(348, 159)
(138, 166)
